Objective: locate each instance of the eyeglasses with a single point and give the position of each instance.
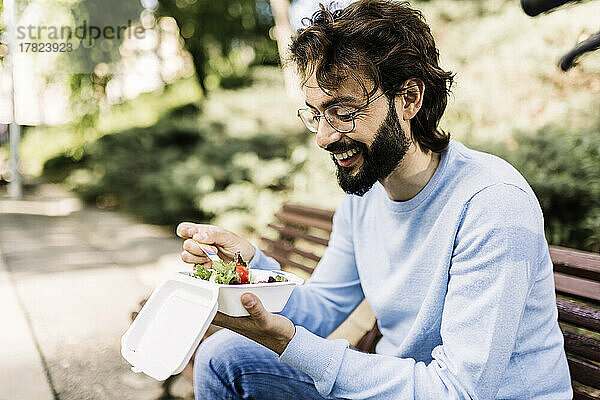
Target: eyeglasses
(339, 118)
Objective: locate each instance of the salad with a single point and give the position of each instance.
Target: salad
(230, 273)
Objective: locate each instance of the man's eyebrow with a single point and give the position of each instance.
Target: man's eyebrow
(346, 100)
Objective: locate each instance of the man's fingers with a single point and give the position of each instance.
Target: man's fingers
(194, 259)
(211, 234)
(186, 229)
(192, 247)
(206, 264)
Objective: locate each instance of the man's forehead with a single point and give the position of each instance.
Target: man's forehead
(349, 89)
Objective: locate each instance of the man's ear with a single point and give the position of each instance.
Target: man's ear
(412, 95)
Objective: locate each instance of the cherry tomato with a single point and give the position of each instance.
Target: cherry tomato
(243, 273)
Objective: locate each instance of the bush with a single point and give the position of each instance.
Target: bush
(563, 168)
(180, 169)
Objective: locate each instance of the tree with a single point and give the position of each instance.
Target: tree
(283, 34)
(214, 29)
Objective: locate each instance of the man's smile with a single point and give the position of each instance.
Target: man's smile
(347, 158)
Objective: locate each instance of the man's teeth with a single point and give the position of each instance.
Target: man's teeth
(345, 155)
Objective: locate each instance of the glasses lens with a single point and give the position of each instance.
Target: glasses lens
(308, 117)
(340, 118)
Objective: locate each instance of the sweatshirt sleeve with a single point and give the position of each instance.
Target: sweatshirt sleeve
(333, 291)
(499, 238)
(261, 261)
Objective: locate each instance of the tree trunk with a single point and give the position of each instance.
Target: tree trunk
(283, 35)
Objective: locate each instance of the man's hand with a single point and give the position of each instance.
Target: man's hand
(228, 243)
(271, 330)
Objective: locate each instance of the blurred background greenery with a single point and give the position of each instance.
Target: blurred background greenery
(214, 137)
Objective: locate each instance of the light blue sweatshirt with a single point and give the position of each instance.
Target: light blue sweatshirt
(460, 280)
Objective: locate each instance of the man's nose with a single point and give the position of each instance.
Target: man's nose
(326, 134)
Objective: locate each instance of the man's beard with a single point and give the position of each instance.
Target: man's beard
(379, 160)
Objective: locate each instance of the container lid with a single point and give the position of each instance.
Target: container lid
(166, 332)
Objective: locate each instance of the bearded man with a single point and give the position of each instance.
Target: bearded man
(446, 244)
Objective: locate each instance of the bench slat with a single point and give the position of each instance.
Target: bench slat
(577, 395)
(286, 247)
(287, 231)
(284, 261)
(574, 262)
(579, 315)
(304, 221)
(369, 340)
(582, 346)
(309, 211)
(586, 373)
(577, 286)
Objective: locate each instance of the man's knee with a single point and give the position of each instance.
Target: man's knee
(214, 353)
(230, 366)
(218, 363)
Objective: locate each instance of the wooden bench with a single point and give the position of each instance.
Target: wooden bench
(301, 234)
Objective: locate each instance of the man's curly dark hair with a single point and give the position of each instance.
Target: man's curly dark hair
(386, 41)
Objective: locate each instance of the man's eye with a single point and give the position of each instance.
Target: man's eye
(342, 115)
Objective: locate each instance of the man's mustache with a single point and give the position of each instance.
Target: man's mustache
(342, 145)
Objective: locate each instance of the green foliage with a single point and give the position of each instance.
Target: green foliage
(223, 37)
(507, 78)
(179, 169)
(41, 143)
(78, 68)
(563, 168)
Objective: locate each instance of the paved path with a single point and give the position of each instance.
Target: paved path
(69, 278)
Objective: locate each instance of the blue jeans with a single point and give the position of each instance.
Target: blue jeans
(231, 366)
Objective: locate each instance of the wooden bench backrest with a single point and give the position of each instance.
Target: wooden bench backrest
(302, 234)
(299, 225)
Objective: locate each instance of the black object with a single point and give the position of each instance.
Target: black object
(535, 7)
(590, 44)
(239, 260)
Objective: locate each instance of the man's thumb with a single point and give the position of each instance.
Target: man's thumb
(253, 305)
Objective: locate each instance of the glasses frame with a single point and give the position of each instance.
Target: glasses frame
(351, 114)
